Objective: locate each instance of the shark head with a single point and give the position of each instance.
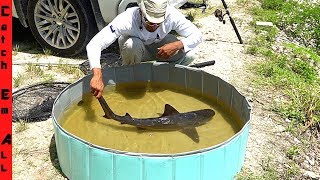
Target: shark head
(203, 116)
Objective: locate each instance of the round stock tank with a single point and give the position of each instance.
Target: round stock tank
(81, 160)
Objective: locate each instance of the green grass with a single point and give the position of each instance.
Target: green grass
(47, 52)
(34, 69)
(70, 70)
(304, 52)
(18, 80)
(296, 73)
(271, 171)
(292, 171)
(21, 126)
(15, 49)
(301, 21)
(292, 151)
(299, 82)
(26, 46)
(291, 70)
(48, 78)
(262, 43)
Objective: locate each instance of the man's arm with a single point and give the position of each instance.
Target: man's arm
(100, 41)
(192, 35)
(168, 50)
(96, 82)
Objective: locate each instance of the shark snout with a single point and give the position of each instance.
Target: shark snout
(207, 113)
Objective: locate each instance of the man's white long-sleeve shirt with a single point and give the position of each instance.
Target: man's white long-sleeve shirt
(129, 23)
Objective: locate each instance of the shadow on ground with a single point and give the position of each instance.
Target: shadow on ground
(23, 40)
(54, 156)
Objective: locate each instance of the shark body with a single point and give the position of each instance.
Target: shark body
(171, 119)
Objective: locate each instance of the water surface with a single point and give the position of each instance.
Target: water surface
(85, 120)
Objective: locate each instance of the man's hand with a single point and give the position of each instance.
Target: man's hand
(168, 50)
(96, 83)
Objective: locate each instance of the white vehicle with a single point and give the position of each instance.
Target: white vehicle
(66, 26)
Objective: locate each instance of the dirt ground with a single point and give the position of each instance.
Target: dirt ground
(34, 154)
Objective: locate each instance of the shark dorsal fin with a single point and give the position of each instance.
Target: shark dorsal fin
(128, 115)
(169, 110)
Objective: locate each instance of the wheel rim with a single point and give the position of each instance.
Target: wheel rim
(57, 22)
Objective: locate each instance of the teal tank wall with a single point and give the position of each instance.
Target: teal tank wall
(80, 160)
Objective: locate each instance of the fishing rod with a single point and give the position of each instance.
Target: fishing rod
(219, 14)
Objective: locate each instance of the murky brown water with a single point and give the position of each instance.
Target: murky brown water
(84, 119)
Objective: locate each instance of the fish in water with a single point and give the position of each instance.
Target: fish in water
(171, 119)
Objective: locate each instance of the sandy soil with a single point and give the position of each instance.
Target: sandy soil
(34, 155)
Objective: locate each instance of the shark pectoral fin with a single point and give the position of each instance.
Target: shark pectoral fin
(141, 128)
(169, 110)
(192, 133)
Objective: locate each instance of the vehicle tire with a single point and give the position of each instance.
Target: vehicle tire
(63, 26)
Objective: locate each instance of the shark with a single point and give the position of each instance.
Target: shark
(171, 119)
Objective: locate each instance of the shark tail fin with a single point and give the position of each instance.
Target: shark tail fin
(169, 110)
